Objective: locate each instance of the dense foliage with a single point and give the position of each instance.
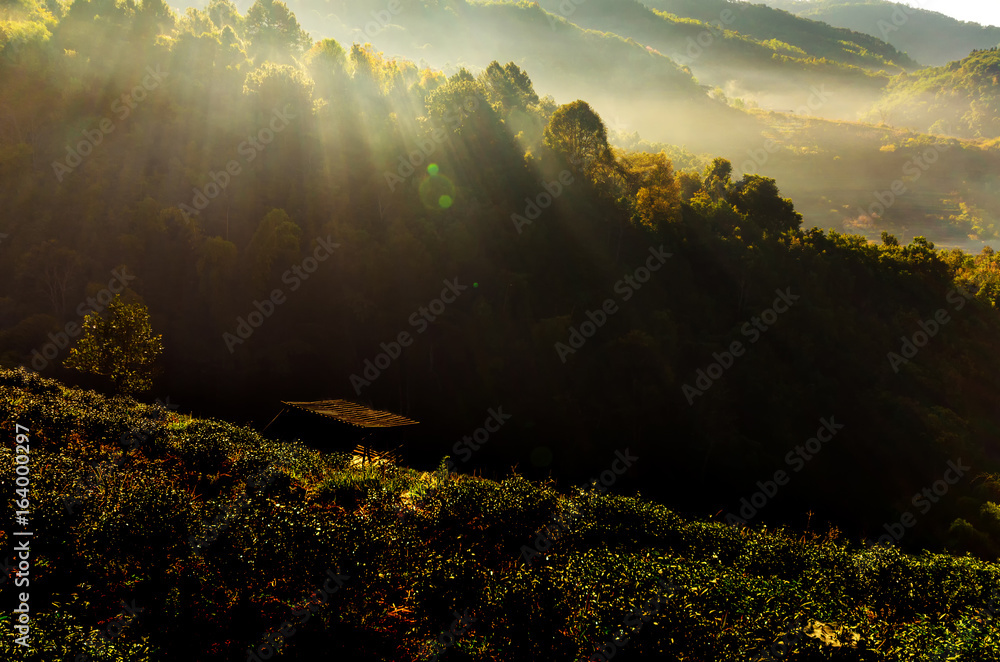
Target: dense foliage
(960, 99)
(119, 346)
(285, 212)
(217, 537)
(818, 39)
(929, 37)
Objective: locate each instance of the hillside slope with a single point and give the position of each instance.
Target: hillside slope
(929, 37)
(772, 73)
(816, 38)
(618, 76)
(175, 538)
(342, 173)
(959, 99)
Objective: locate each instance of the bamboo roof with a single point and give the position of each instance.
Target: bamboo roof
(352, 413)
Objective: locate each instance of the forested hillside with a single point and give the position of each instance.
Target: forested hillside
(609, 70)
(238, 174)
(960, 99)
(929, 37)
(749, 322)
(763, 23)
(833, 170)
(722, 51)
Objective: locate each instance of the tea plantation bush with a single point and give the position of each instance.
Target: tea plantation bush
(220, 538)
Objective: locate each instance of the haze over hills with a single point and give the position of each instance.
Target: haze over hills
(763, 23)
(929, 37)
(723, 52)
(634, 83)
(960, 99)
(749, 57)
(637, 73)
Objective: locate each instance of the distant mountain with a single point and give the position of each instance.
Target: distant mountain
(817, 39)
(775, 73)
(960, 99)
(619, 76)
(927, 36)
(617, 54)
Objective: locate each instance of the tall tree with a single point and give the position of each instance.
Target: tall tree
(223, 13)
(654, 191)
(578, 133)
(758, 198)
(718, 178)
(274, 32)
(326, 62)
(120, 345)
(274, 86)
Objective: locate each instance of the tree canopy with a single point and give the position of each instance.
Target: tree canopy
(118, 344)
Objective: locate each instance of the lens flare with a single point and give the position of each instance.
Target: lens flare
(436, 190)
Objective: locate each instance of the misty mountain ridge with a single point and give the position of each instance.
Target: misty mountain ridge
(929, 37)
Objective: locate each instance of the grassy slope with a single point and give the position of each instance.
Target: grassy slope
(417, 547)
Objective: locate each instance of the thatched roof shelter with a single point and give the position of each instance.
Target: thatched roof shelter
(353, 413)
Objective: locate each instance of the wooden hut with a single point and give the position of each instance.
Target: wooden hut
(344, 425)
